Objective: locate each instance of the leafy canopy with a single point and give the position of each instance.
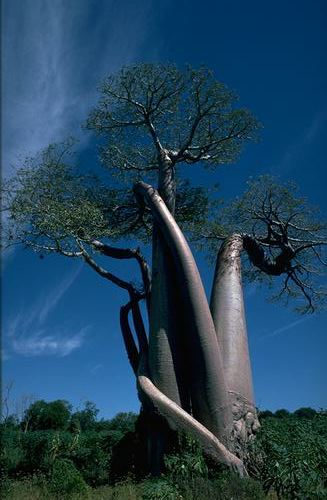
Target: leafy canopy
(148, 109)
(147, 115)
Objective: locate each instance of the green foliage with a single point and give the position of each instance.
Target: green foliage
(159, 489)
(65, 480)
(188, 111)
(265, 413)
(123, 422)
(189, 461)
(305, 412)
(43, 416)
(53, 207)
(282, 413)
(12, 453)
(85, 419)
(92, 457)
(228, 486)
(289, 456)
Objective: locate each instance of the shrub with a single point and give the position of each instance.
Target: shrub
(282, 413)
(92, 457)
(189, 460)
(290, 457)
(12, 453)
(159, 489)
(65, 480)
(305, 413)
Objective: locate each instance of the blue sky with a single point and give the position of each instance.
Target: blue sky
(60, 326)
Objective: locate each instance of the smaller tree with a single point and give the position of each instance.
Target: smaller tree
(282, 413)
(283, 239)
(85, 419)
(305, 412)
(43, 416)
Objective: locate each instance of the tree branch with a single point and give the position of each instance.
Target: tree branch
(106, 274)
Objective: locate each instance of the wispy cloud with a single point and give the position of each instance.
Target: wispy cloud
(53, 298)
(28, 334)
(298, 146)
(39, 344)
(52, 67)
(96, 368)
(285, 328)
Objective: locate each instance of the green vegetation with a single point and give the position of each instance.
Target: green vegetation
(82, 457)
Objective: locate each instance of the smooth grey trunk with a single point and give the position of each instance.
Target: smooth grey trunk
(164, 324)
(227, 309)
(165, 363)
(209, 398)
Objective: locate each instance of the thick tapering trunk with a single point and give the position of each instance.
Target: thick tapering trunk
(164, 358)
(161, 410)
(209, 399)
(165, 324)
(172, 412)
(166, 367)
(227, 308)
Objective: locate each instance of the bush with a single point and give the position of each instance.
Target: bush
(159, 489)
(282, 413)
(305, 413)
(289, 456)
(65, 480)
(12, 453)
(92, 457)
(37, 451)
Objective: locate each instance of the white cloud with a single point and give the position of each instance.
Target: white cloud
(96, 368)
(53, 298)
(27, 333)
(55, 53)
(39, 344)
(285, 328)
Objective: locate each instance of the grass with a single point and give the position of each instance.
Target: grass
(32, 489)
(37, 488)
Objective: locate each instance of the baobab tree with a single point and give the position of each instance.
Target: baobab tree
(153, 124)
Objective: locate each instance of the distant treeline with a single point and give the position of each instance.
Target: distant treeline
(66, 453)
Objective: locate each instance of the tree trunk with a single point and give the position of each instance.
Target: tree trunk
(165, 328)
(209, 399)
(227, 308)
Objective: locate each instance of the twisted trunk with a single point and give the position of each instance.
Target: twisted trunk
(153, 399)
(181, 420)
(227, 308)
(166, 368)
(164, 362)
(209, 399)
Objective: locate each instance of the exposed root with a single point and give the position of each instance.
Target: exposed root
(179, 419)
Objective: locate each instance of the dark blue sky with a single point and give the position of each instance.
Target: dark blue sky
(60, 327)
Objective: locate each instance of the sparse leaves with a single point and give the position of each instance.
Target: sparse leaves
(146, 110)
(284, 238)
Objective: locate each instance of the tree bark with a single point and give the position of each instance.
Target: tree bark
(166, 368)
(227, 308)
(162, 409)
(209, 399)
(181, 420)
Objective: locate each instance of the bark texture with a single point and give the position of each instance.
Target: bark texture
(227, 308)
(181, 420)
(209, 399)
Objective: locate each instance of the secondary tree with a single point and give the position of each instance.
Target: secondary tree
(154, 123)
